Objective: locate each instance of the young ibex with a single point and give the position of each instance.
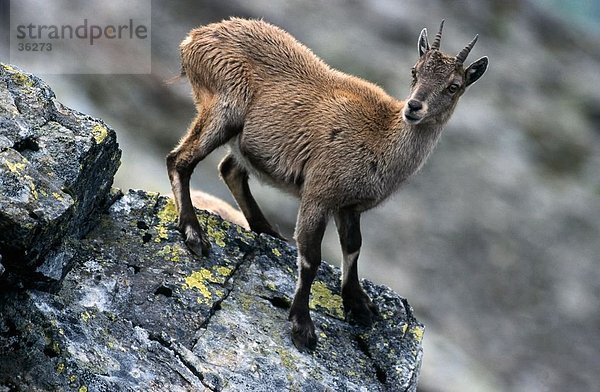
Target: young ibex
(339, 143)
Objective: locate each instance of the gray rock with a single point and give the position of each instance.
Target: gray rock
(56, 169)
(139, 312)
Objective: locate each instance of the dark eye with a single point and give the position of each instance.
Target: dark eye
(414, 72)
(453, 88)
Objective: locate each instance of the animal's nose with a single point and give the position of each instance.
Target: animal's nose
(415, 105)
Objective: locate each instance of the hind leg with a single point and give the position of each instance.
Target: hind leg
(208, 131)
(236, 178)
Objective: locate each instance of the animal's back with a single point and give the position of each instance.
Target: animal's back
(243, 51)
(294, 108)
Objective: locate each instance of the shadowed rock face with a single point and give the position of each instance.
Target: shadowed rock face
(56, 169)
(138, 312)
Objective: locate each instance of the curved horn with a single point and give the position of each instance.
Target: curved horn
(438, 37)
(462, 56)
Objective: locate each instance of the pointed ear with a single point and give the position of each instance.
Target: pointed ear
(423, 43)
(476, 70)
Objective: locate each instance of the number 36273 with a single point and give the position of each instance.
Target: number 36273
(35, 47)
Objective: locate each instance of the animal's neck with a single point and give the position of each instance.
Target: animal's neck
(413, 145)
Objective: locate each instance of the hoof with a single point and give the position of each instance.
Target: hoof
(303, 335)
(360, 311)
(196, 242)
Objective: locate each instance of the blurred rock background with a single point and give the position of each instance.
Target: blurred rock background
(496, 241)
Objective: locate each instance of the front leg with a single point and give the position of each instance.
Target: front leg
(310, 226)
(358, 306)
(195, 238)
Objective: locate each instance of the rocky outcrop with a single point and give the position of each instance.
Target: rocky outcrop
(56, 170)
(137, 311)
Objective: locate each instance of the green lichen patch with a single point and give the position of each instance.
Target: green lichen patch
(99, 132)
(15, 167)
(18, 76)
(247, 235)
(271, 285)
(168, 213)
(167, 218)
(322, 297)
(172, 253)
(288, 359)
(417, 332)
(214, 229)
(86, 316)
(27, 196)
(224, 271)
(53, 348)
(206, 283)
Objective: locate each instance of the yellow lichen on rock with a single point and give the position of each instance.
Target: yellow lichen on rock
(287, 359)
(58, 196)
(18, 76)
(166, 216)
(99, 132)
(246, 300)
(55, 347)
(171, 252)
(33, 190)
(322, 297)
(199, 280)
(417, 333)
(224, 271)
(212, 229)
(404, 328)
(168, 213)
(246, 233)
(15, 167)
(86, 316)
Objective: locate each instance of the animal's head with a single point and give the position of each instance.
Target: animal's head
(439, 80)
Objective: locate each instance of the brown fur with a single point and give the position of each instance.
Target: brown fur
(339, 143)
